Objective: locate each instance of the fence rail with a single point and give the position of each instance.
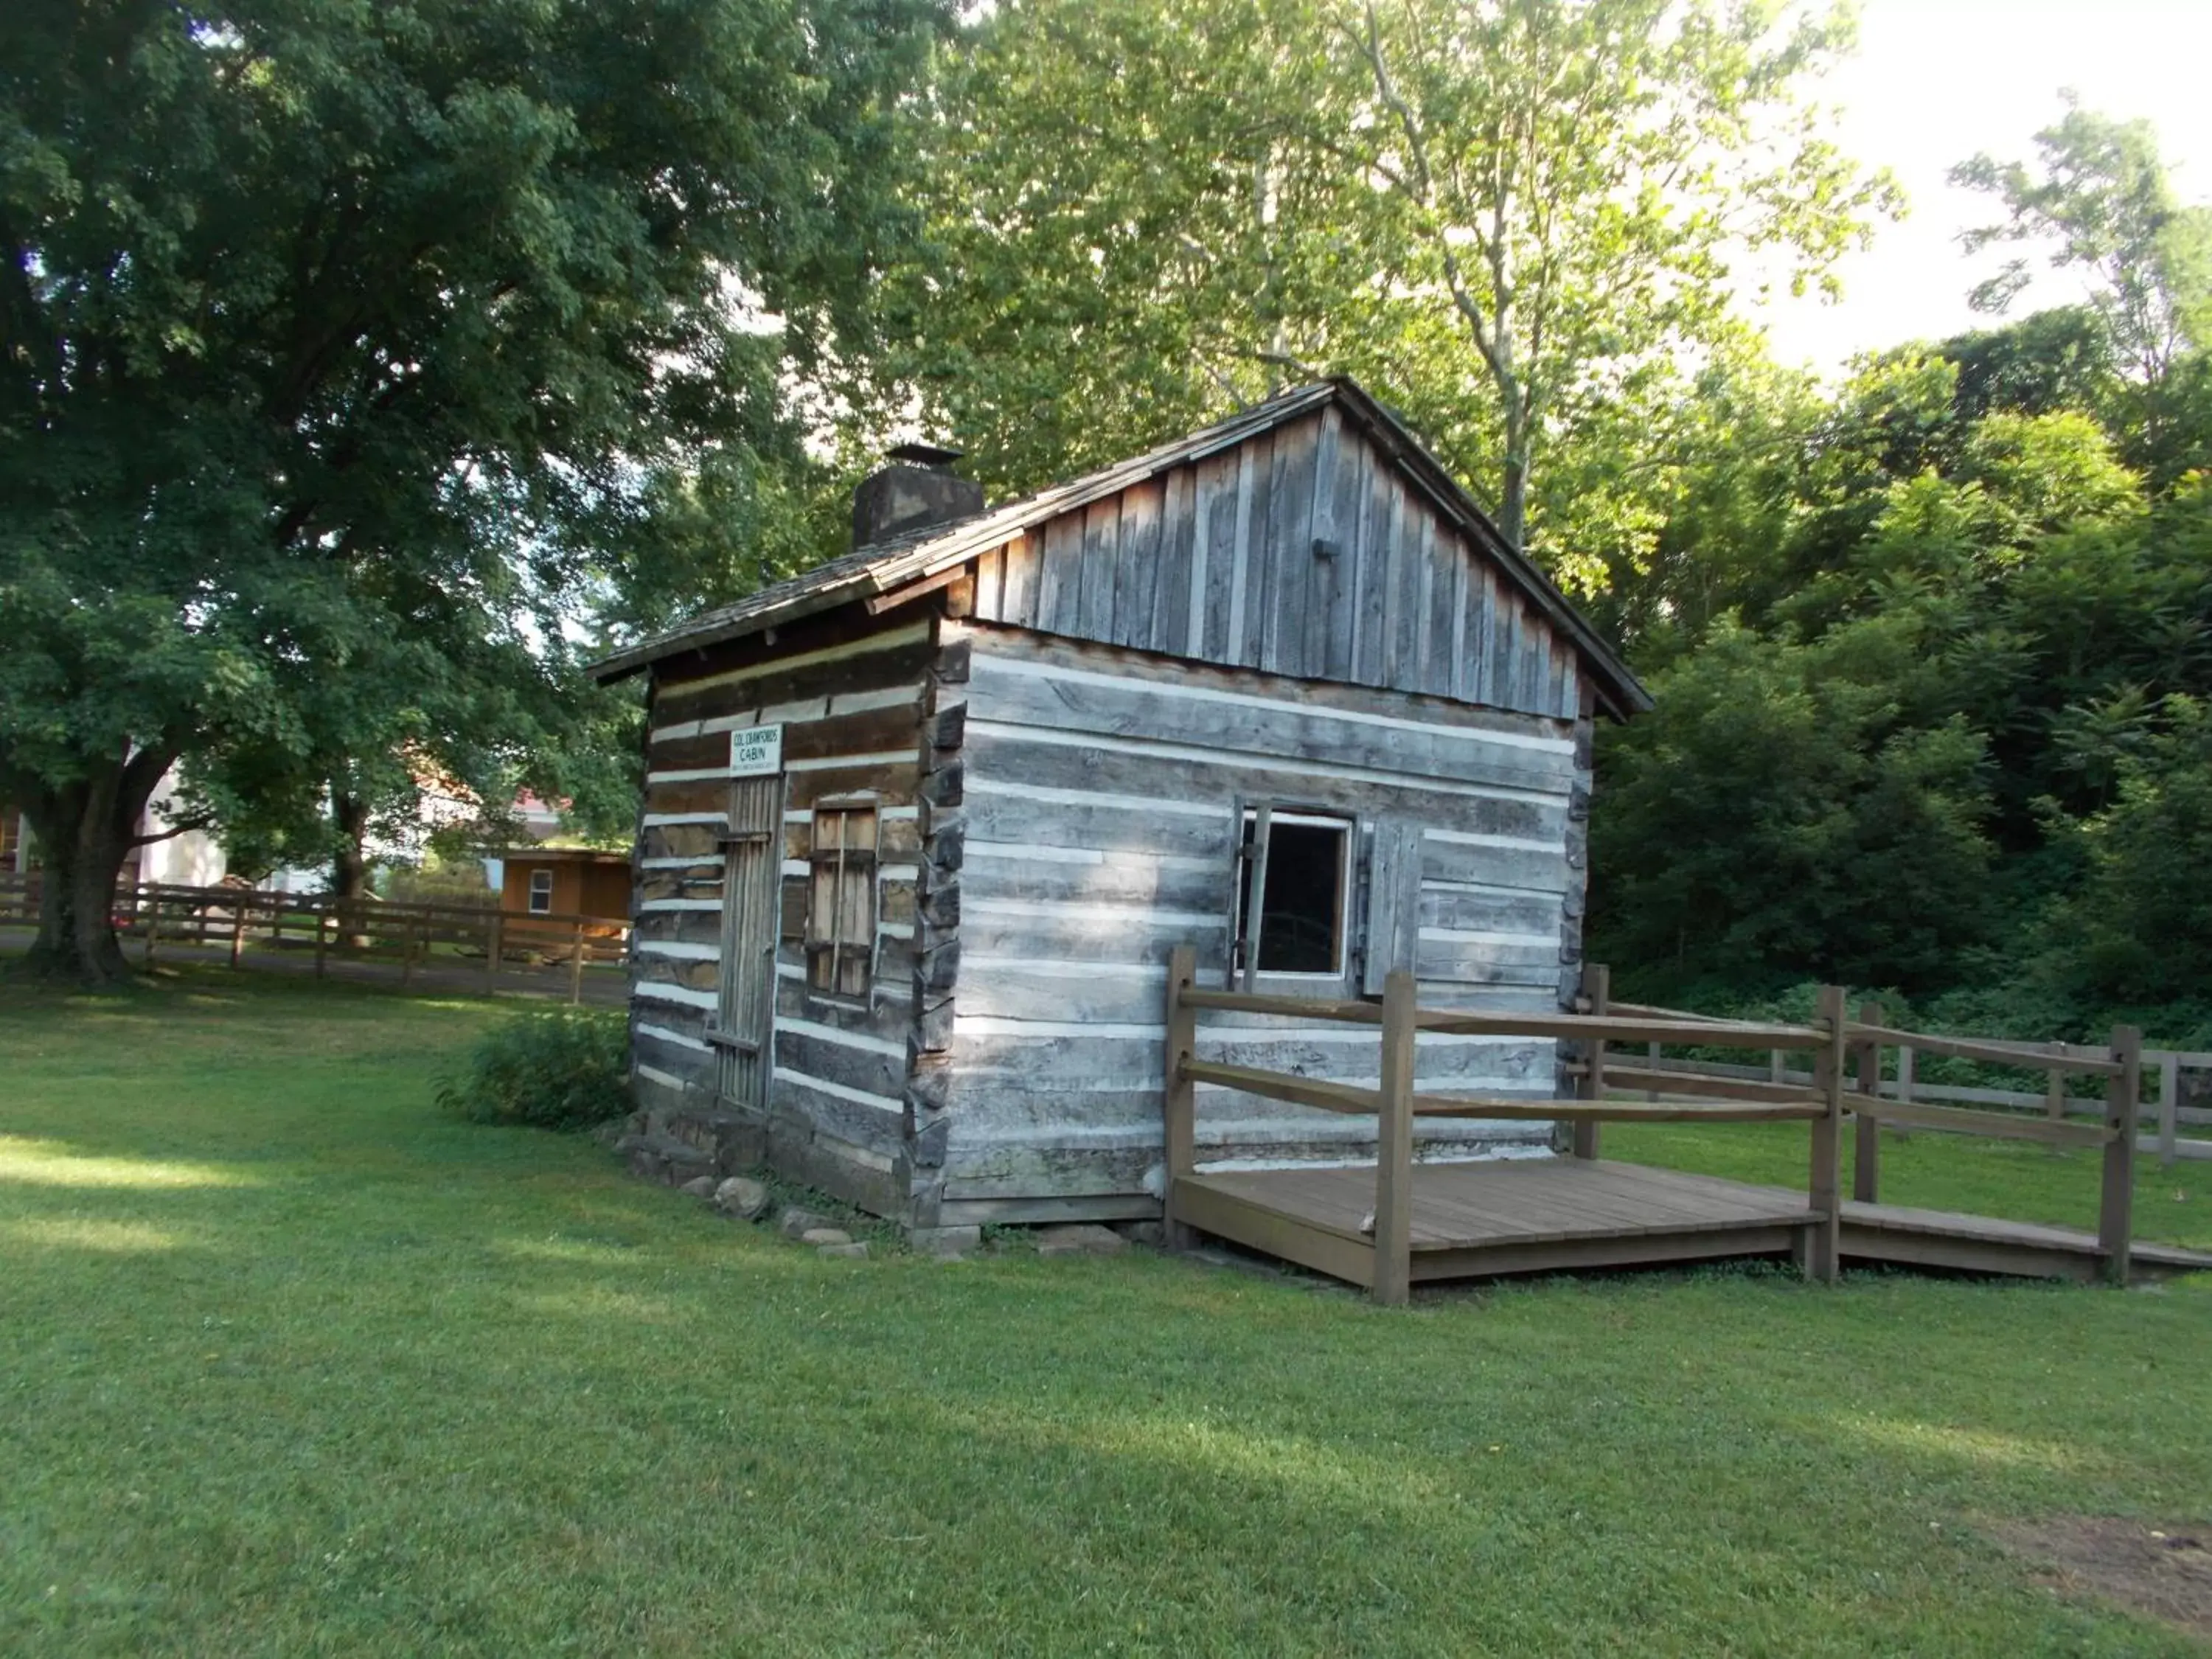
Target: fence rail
(1846, 1080)
(408, 933)
(2160, 1111)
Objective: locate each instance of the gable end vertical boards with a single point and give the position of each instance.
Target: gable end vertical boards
(1273, 556)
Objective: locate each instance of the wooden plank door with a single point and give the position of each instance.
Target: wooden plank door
(752, 874)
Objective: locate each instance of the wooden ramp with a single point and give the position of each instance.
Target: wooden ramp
(1556, 1214)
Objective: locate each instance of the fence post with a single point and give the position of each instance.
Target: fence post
(2123, 1106)
(576, 968)
(1181, 1120)
(2054, 1097)
(322, 937)
(1394, 1146)
(151, 898)
(1823, 1238)
(491, 953)
(2169, 1106)
(238, 931)
(1866, 1130)
(406, 952)
(1597, 989)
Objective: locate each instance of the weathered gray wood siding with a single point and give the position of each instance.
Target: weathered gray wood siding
(1302, 551)
(852, 707)
(1101, 792)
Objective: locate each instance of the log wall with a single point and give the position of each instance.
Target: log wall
(854, 703)
(1100, 817)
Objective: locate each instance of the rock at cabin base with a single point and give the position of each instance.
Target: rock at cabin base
(701, 1186)
(679, 1162)
(847, 1250)
(740, 1198)
(946, 1243)
(1154, 1233)
(795, 1223)
(825, 1235)
(1080, 1238)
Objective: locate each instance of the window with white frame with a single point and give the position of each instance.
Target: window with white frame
(840, 905)
(541, 892)
(1300, 865)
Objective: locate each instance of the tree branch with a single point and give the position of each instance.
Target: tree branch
(197, 821)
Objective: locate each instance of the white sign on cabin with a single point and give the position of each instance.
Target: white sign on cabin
(757, 751)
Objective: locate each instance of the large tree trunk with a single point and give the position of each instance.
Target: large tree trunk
(85, 830)
(350, 861)
(350, 864)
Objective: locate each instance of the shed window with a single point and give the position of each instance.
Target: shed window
(541, 892)
(841, 908)
(1303, 864)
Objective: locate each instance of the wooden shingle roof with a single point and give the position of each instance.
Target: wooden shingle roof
(868, 572)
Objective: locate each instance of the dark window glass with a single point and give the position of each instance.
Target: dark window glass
(1302, 915)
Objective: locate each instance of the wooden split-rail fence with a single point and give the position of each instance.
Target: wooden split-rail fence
(415, 938)
(1845, 1083)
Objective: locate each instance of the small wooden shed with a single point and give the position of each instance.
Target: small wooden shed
(921, 827)
(565, 881)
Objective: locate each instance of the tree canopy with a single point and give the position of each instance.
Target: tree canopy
(363, 367)
(345, 346)
(1519, 221)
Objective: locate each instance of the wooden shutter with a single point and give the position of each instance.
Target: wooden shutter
(1248, 892)
(856, 903)
(841, 907)
(1393, 902)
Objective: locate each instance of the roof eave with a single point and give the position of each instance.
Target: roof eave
(621, 664)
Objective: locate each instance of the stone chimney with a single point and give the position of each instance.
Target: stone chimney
(915, 491)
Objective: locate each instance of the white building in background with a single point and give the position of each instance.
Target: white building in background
(187, 858)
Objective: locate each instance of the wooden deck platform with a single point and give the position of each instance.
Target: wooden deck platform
(1542, 1215)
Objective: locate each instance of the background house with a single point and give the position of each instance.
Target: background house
(921, 827)
(564, 881)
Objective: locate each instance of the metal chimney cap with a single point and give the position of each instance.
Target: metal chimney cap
(921, 454)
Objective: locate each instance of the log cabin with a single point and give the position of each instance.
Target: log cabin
(921, 826)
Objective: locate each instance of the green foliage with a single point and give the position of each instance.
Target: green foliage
(2103, 197)
(554, 1068)
(1774, 818)
(2048, 361)
(1978, 590)
(1516, 221)
(349, 347)
(2145, 909)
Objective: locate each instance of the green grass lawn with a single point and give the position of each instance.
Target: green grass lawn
(293, 1365)
(2016, 1178)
